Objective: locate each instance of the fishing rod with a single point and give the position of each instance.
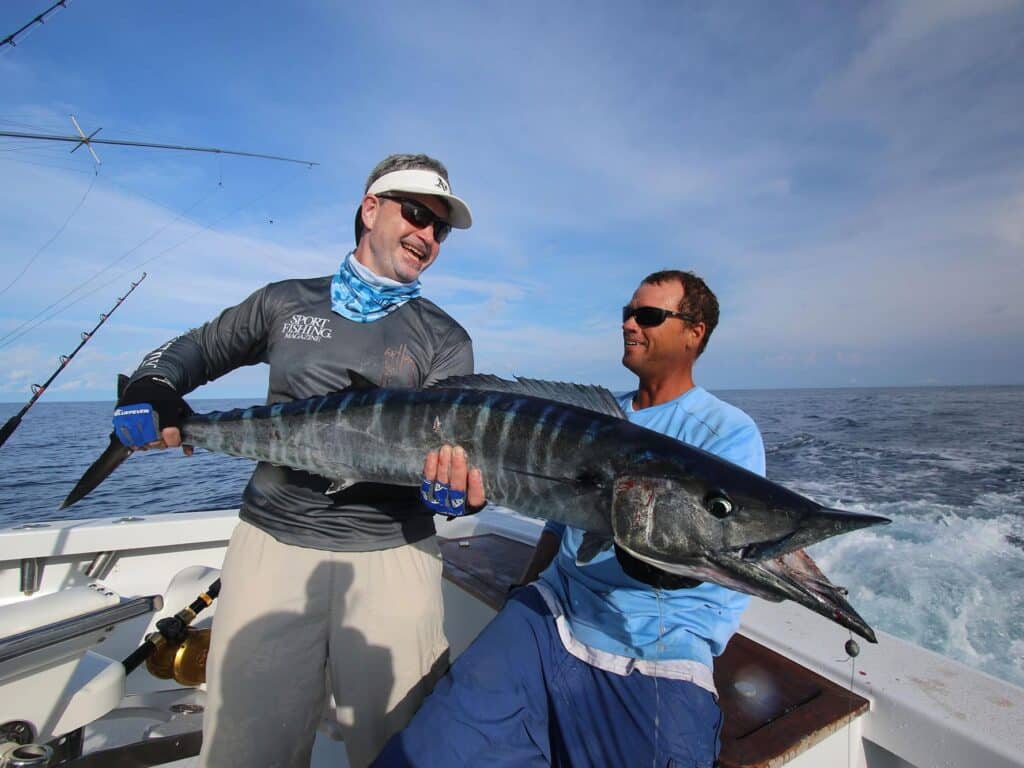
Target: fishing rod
(171, 630)
(40, 19)
(39, 389)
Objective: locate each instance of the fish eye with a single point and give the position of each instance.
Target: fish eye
(719, 506)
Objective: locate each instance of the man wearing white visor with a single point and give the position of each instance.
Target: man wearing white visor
(343, 586)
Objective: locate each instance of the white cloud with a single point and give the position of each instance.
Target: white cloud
(549, 353)
(899, 27)
(1008, 222)
(193, 271)
(892, 278)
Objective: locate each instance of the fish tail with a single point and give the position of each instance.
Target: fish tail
(108, 461)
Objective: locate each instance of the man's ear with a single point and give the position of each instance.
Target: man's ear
(696, 331)
(369, 209)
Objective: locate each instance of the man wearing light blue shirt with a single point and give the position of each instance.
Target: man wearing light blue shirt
(606, 662)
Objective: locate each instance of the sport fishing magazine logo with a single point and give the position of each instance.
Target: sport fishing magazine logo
(307, 328)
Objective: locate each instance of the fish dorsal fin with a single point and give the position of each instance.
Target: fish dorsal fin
(591, 397)
(358, 381)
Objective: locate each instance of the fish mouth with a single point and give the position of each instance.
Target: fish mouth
(794, 576)
(821, 524)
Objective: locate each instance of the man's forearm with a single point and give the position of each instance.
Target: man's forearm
(178, 363)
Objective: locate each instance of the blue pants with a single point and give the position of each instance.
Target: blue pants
(516, 697)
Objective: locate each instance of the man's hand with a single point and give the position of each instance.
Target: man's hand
(149, 415)
(450, 486)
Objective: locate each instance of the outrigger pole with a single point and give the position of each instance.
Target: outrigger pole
(81, 139)
(39, 389)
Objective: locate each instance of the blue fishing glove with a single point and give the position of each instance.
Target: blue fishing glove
(145, 407)
(442, 500)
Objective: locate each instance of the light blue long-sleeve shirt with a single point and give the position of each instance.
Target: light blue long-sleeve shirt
(612, 612)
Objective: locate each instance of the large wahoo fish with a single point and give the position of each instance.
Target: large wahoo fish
(554, 451)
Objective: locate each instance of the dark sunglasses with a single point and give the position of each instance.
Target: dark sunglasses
(419, 216)
(649, 317)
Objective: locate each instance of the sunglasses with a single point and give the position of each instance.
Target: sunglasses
(419, 216)
(649, 317)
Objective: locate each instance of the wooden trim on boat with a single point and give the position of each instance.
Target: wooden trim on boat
(774, 708)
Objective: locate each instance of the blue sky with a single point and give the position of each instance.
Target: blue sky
(848, 177)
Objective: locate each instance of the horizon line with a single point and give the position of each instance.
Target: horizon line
(809, 387)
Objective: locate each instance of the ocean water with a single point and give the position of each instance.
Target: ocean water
(946, 464)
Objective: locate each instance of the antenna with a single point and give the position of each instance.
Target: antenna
(86, 140)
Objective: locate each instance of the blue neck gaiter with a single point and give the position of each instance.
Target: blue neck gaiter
(362, 296)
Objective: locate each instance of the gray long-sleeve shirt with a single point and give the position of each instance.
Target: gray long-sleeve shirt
(310, 350)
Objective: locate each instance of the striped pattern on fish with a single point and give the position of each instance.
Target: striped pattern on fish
(542, 458)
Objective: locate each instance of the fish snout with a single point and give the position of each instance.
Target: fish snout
(810, 527)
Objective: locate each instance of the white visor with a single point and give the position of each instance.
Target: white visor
(425, 182)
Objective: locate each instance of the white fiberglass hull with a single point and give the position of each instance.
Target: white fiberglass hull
(925, 710)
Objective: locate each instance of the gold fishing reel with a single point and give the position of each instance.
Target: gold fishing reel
(184, 661)
(175, 649)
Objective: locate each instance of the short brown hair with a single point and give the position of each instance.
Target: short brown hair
(393, 163)
(699, 301)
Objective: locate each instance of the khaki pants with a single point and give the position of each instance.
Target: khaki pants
(288, 617)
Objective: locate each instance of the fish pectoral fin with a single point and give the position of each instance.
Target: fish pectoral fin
(338, 485)
(592, 545)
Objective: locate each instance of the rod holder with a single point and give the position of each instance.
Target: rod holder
(25, 755)
(31, 574)
(101, 565)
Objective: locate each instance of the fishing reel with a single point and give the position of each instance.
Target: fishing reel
(176, 649)
(184, 661)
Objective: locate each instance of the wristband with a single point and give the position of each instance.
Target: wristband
(136, 425)
(441, 499)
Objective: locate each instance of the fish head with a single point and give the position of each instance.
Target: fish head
(683, 518)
